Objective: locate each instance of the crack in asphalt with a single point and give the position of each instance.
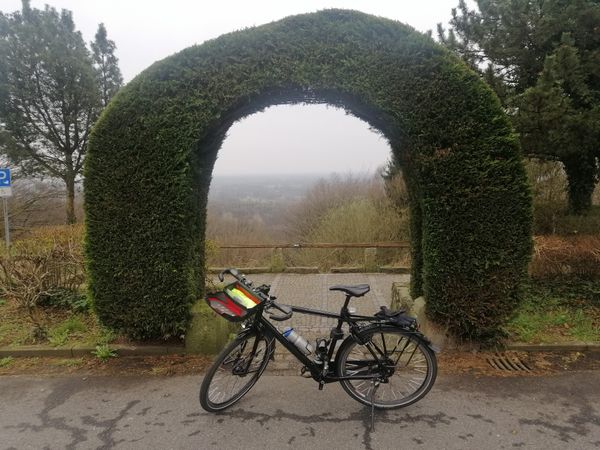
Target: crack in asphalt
(579, 423)
(363, 416)
(59, 394)
(480, 417)
(106, 436)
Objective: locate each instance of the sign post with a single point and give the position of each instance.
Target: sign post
(5, 192)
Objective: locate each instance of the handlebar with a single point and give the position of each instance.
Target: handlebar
(263, 291)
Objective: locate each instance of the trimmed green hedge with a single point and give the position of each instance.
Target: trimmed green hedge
(151, 155)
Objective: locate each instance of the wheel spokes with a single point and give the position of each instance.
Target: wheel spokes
(237, 370)
(402, 360)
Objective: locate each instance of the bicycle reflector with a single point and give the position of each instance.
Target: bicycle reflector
(234, 303)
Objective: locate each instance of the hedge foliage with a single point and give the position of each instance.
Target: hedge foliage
(151, 155)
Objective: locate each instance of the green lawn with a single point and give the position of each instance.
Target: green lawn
(63, 327)
(558, 311)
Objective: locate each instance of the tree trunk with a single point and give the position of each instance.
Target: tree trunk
(581, 176)
(70, 206)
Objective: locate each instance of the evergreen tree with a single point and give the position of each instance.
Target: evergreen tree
(106, 65)
(542, 57)
(559, 113)
(49, 95)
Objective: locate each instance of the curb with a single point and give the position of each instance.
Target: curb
(558, 347)
(76, 352)
(157, 350)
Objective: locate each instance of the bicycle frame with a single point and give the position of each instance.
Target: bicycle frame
(321, 373)
(363, 356)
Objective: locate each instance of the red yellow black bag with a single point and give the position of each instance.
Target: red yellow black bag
(236, 302)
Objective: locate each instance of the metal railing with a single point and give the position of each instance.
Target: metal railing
(277, 263)
(322, 245)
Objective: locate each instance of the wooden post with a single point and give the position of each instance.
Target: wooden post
(277, 261)
(371, 260)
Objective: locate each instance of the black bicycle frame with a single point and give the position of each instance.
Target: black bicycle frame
(322, 374)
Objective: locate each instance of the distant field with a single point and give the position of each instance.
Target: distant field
(260, 188)
(263, 200)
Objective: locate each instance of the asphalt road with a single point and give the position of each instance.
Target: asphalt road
(461, 412)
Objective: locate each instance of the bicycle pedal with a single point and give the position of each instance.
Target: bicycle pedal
(304, 373)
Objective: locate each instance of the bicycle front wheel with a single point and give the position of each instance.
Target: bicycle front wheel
(237, 368)
(400, 368)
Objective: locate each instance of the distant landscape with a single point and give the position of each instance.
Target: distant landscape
(303, 208)
(265, 199)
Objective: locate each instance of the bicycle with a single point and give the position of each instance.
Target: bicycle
(384, 361)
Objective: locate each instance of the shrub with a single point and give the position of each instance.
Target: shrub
(566, 257)
(361, 220)
(45, 269)
(327, 194)
(341, 209)
(151, 153)
(550, 213)
(25, 280)
(227, 228)
(60, 297)
(357, 221)
(589, 223)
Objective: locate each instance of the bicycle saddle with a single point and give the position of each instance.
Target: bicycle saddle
(357, 290)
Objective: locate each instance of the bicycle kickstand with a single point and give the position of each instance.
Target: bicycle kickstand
(374, 386)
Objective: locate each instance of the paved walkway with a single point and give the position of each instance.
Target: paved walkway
(461, 412)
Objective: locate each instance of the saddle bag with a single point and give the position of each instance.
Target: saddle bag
(397, 318)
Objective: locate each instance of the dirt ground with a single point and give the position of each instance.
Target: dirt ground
(451, 363)
(538, 363)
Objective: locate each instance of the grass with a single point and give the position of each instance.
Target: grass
(69, 362)
(558, 311)
(59, 334)
(64, 327)
(5, 362)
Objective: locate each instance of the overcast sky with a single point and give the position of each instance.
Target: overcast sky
(320, 139)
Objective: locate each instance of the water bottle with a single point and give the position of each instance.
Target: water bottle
(298, 341)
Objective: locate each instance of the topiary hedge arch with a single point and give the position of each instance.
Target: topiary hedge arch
(152, 152)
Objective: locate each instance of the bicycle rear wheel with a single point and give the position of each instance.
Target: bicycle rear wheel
(403, 367)
(237, 368)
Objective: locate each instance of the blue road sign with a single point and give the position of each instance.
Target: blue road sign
(4, 177)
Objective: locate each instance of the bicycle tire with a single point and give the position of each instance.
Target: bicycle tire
(407, 348)
(231, 359)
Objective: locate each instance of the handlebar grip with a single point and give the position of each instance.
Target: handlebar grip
(234, 273)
